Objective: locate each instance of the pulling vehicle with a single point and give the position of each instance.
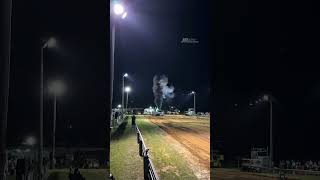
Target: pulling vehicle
(190, 112)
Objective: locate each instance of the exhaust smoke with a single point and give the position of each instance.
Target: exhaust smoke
(161, 90)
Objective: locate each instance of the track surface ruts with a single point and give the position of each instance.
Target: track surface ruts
(192, 133)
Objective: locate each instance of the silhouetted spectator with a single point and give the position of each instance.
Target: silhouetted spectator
(116, 115)
(133, 119)
(76, 175)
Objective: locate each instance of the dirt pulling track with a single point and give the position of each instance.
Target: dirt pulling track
(192, 133)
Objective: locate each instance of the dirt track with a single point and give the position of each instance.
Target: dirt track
(192, 133)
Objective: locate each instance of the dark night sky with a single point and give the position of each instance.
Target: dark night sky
(148, 43)
(80, 60)
(267, 47)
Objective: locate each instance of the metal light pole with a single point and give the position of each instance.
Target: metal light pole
(127, 89)
(122, 109)
(268, 98)
(194, 101)
(50, 43)
(40, 154)
(56, 88)
(5, 69)
(54, 131)
(127, 102)
(118, 10)
(271, 135)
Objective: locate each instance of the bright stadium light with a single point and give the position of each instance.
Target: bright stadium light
(125, 75)
(119, 106)
(127, 89)
(118, 9)
(124, 15)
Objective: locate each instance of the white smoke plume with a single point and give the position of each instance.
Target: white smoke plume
(161, 90)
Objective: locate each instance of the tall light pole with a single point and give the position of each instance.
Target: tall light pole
(268, 98)
(5, 52)
(194, 101)
(48, 44)
(127, 89)
(117, 11)
(56, 88)
(123, 77)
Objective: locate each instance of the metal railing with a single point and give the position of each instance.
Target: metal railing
(148, 167)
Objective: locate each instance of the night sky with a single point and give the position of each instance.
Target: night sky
(269, 47)
(147, 43)
(80, 60)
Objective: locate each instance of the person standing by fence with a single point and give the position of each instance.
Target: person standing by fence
(133, 118)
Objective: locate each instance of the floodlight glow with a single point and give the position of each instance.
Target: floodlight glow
(127, 89)
(192, 92)
(124, 15)
(52, 42)
(57, 87)
(118, 9)
(119, 106)
(265, 97)
(30, 141)
(125, 75)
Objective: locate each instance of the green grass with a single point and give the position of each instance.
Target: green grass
(167, 161)
(125, 162)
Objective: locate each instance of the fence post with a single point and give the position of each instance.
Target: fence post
(140, 148)
(146, 166)
(138, 139)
